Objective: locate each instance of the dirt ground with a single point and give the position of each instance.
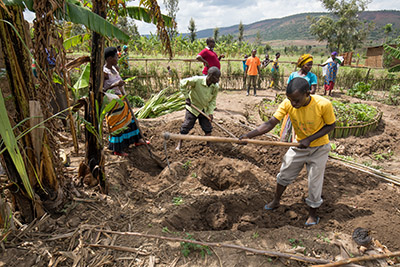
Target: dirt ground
(217, 193)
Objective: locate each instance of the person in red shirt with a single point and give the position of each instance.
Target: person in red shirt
(209, 57)
(253, 68)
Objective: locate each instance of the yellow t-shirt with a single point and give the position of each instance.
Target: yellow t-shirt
(310, 119)
(253, 62)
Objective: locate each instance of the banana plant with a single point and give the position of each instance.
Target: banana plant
(79, 13)
(395, 53)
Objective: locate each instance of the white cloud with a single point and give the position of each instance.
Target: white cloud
(219, 13)
(223, 13)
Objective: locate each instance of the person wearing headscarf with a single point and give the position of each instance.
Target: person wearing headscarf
(330, 70)
(305, 63)
(124, 58)
(122, 127)
(275, 70)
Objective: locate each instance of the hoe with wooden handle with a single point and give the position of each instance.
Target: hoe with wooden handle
(217, 139)
(216, 123)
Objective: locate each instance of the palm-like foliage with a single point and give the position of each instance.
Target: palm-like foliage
(75, 12)
(19, 63)
(395, 53)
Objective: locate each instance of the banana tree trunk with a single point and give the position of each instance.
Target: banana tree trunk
(22, 89)
(94, 149)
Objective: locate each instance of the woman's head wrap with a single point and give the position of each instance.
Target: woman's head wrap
(304, 59)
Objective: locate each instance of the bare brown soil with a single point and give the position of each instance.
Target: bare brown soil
(217, 193)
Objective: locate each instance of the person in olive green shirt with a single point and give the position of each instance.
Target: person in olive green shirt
(201, 91)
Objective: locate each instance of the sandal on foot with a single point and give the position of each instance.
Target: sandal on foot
(268, 208)
(142, 143)
(122, 154)
(312, 223)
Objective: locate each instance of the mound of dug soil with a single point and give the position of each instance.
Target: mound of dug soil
(212, 193)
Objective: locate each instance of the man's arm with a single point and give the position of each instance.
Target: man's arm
(323, 131)
(201, 59)
(313, 88)
(185, 86)
(221, 56)
(262, 129)
(213, 104)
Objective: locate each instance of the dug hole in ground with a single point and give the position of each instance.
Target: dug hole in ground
(217, 193)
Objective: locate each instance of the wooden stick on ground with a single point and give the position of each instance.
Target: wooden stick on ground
(358, 259)
(119, 248)
(216, 123)
(221, 245)
(218, 139)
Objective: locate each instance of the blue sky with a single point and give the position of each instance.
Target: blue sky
(223, 13)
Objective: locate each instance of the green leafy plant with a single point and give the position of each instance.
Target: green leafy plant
(255, 235)
(295, 243)
(187, 165)
(324, 238)
(177, 201)
(360, 90)
(369, 164)
(383, 156)
(394, 95)
(166, 230)
(194, 175)
(336, 155)
(187, 248)
(333, 146)
(350, 114)
(135, 101)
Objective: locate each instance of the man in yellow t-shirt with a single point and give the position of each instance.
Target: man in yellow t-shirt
(312, 118)
(252, 69)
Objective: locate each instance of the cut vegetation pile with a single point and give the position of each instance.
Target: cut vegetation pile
(161, 104)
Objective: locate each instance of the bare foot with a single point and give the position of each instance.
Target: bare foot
(178, 147)
(272, 205)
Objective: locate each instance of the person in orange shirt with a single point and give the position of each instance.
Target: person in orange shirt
(252, 69)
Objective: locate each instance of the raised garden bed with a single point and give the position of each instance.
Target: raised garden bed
(352, 119)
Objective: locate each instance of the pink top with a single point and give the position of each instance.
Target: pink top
(212, 59)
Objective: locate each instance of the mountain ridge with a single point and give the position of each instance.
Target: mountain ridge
(296, 27)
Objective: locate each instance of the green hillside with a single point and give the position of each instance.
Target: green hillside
(296, 27)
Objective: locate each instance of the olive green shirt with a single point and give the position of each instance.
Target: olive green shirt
(202, 96)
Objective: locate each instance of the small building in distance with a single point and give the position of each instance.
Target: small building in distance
(375, 57)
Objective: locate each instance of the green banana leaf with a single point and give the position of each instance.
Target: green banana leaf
(143, 14)
(11, 144)
(81, 15)
(83, 80)
(394, 52)
(75, 40)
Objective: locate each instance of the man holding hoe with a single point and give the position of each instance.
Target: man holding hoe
(313, 119)
(201, 91)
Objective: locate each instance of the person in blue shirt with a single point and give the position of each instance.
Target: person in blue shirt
(305, 63)
(244, 70)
